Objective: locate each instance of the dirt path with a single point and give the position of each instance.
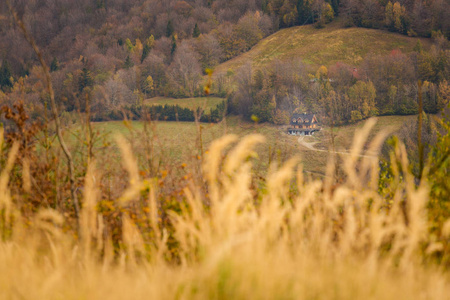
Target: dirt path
(310, 146)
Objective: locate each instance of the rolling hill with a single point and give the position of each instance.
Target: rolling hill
(326, 46)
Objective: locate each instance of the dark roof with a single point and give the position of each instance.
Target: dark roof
(305, 117)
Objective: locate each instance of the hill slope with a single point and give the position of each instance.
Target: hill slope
(322, 46)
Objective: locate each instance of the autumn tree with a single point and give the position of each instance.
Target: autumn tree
(329, 110)
(243, 98)
(396, 17)
(323, 13)
(443, 98)
(183, 8)
(209, 50)
(389, 73)
(362, 99)
(118, 95)
(288, 13)
(154, 67)
(148, 86)
(362, 13)
(185, 71)
(230, 42)
(439, 162)
(248, 29)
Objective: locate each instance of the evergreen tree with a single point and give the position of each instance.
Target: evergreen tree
(100, 4)
(300, 12)
(128, 63)
(264, 6)
(304, 12)
(335, 6)
(196, 32)
(54, 66)
(5, 75)
(169, 29)
(145, 52)
(149, 43)
(85, 79)
(174, 44)
(24, 71)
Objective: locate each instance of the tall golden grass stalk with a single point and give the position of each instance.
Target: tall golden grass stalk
(290, 239)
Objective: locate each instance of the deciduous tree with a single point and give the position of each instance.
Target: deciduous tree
(185, 71)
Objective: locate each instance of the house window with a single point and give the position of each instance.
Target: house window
(294, 121)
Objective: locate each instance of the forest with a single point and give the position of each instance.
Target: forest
(118, 53)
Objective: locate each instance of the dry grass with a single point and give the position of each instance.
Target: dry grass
(315, 162)
(343, 135)
(177, 139)
(296, 239)
(322, 46)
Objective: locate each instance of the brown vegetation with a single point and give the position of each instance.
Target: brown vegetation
(228, 238)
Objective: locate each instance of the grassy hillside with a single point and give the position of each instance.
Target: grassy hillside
(192, 103)
(326, 46)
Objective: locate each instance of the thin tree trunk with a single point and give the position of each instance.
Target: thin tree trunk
(54, 108)
(419, 130)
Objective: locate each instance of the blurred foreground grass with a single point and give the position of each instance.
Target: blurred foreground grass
(225, 238)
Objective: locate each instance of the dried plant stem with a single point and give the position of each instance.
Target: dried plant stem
(89, 135)
(419, 129)
(54, 108)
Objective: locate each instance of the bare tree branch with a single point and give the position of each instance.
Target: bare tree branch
(54, 108)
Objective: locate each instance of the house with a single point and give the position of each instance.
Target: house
(303, 124)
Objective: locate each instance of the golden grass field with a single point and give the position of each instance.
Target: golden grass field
(296, 239)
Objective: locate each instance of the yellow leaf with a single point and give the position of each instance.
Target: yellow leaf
(255, 118)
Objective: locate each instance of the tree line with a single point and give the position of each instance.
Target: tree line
(381, 85)
(163, 113)
(95, 29)
(111, 54)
